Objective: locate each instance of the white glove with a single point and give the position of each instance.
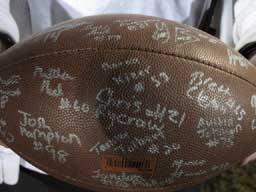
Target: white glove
(9, 166)
(8, 25)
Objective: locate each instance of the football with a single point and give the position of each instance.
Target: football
(127, 103)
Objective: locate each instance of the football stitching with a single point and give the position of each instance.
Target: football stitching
(209, 64)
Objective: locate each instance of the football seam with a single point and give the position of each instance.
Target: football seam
(209, 64)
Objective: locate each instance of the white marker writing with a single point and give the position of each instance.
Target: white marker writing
(162, 33)
(5, 133)
(13, 80)
(112, 66)
(3, 100)
(66, 104)
(253, 102)
(28, 120)
(235, 59)
(45, 87)
(52, 73)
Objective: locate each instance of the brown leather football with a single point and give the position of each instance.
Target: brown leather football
(127, 103)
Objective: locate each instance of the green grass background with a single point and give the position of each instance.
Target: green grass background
(238, 179)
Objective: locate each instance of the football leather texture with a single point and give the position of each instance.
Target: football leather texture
(127, 103)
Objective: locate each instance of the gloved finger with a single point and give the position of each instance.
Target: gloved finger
(11, 168)
(1, 170)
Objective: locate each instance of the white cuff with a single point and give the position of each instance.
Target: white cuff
(244, 30)
(9, 166)
(7, 23)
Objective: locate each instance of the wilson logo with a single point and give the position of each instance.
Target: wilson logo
(130, 164)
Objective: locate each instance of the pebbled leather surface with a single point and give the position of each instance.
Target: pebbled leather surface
(129, 87)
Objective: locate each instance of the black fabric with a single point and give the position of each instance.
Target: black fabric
(248, 50)
(6, 40)
(206, 21)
